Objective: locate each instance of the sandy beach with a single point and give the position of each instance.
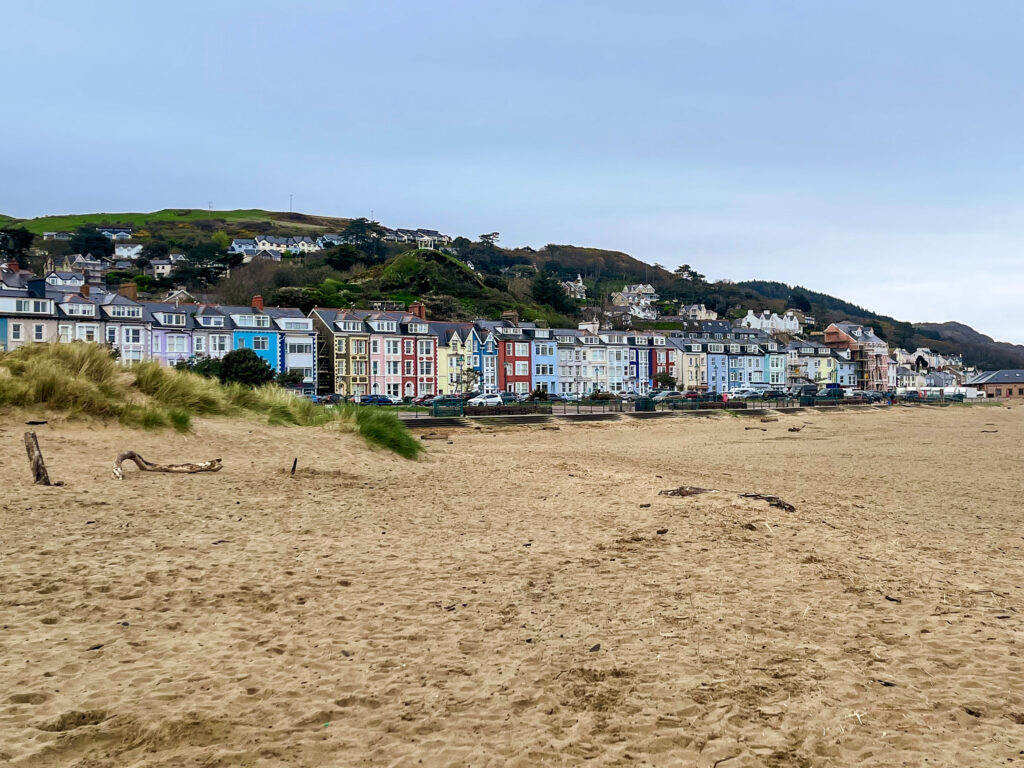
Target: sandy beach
(520, 597)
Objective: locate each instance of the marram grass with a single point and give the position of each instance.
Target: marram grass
(83, 380)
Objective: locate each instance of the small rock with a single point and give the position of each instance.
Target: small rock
(596, 647)
(661, 531)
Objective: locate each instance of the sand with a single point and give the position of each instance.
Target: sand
(520, 597)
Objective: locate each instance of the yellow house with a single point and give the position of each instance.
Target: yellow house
(454, 347)
(689, 364)
(343, 352)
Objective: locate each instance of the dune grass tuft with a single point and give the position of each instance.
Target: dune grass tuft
(84, 380)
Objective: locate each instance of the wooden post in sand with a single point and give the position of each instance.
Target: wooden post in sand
(213, 465)
(35, 460)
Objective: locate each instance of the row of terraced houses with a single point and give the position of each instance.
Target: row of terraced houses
(402, 353)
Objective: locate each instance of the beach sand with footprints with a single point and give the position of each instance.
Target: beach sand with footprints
(520, 597)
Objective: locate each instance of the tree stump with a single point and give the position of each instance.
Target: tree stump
(35, 460)
(213, 465)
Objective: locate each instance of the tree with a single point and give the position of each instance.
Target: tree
(203, 265)
(88, 239)
(290, 379)
(245, 367)
(365, 235)
(220, 239)
(204, 366)
(154, 249)
(342, 257)
(14, 244)
(688, 273)
(548, 290)
(664, 380)
(491, 239)
(799, 299)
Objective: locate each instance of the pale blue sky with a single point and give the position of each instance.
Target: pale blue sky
(871, 150)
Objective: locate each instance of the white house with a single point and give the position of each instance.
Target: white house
(638, 299)
(72, 279)
(770, 322)
(130, 251)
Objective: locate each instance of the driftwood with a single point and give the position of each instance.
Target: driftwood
(795, 429)
(773, 501)
(35, 460)
(213, 465)
(687, 490)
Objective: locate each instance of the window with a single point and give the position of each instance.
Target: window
(342, 368)
(261, 343)
(358, 346)
(176, 345)
(37, 332)
(409, 346)
(64, 332)
(212, 322)
(172, 319)
(409, 367)
(86, 332)
(375, 369)
(296, 347)
(522, 350)
(339, 346)
(393, 347)
(219, 343)
(125, 310)
(16, 332)
(393, 368)
(426, 348)
(426, 367)
(132, 335)
(297, 325)
(306, 373)
(253, 321)
(374, 346)
(35, 306)
(199, 345)
(82, 310)
(522, 368)
(359, 368)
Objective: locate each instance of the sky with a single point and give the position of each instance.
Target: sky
(871, 150)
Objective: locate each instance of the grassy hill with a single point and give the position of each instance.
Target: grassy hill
(504, 280)
(252, 219)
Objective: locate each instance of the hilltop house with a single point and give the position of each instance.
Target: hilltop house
(697, 312)
(638, 300)
(130, 251)
(575, 288)
(770, 322)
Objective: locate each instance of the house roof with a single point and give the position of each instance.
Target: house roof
(1003, 376)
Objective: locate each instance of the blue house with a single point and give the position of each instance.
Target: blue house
(544, 360)
(252, 328)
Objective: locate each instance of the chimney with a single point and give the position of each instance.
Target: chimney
(510, 316)
(419, 309)
(129, 291)
(84, 290)
(257, 303)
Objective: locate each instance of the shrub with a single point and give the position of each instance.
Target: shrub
(245, 367)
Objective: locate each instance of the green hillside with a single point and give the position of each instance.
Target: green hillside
(520, 279)
(254, 218)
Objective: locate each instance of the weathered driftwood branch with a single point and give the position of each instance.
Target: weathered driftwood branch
(35, 460)
(213, 465)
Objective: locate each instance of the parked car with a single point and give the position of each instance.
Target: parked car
(830, 393)
(693, 394)
(744, 393)
(467, 396)
(803, 390)
(445, 400)
(331, 399)
(374, 400)
(668, 394)
(423, 400)
(773, 394)
(486, 400)
(394, 399)
(554, 397)
(629, 395)
(912, 397)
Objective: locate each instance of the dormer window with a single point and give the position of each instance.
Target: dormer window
(417, 328)
(211, 321)
(351, 325)
(253, 321)
(125, 310)
(168, 318)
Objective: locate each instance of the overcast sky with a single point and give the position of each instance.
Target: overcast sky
(868, 149)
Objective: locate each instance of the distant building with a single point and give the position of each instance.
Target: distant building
(770, 322)
(697, 312)
(868, 352)
(130, 251)
(638, 300)
(1002, 383)
(575, 288)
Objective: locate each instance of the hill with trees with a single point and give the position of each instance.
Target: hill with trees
(469, 279)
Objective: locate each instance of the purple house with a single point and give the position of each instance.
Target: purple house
(172, 332)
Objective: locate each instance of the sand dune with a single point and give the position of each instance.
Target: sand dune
(520, 597)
